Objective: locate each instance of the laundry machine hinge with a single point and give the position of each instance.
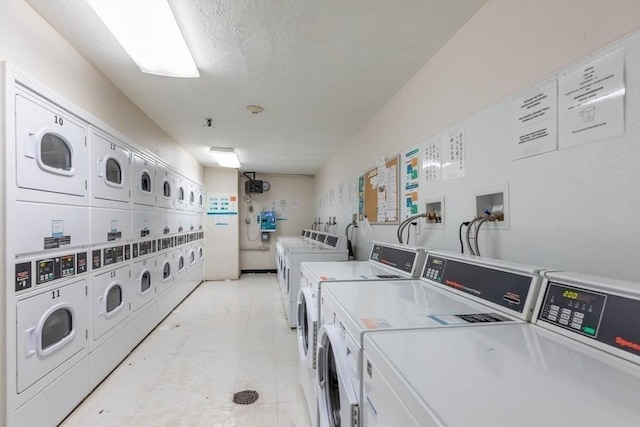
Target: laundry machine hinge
(85, 184)
(85, 141)
(86, 334)
(86, 291)
(354, 415)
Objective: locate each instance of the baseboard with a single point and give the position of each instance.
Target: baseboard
(259, 271)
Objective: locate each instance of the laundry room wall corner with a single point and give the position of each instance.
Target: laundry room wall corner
(221, 224)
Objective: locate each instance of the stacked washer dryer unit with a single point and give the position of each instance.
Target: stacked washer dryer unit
(386, 261)
(479, 293)
(329, 247)
(577, 364)
(85, 232)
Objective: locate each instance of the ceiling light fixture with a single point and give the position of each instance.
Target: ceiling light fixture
(226, 157)
(148, 31)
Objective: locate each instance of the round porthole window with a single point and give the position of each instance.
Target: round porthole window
(55, 152)
(113, 171)
(166, 189)
(145, 182)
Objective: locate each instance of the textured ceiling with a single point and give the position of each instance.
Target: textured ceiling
(320, 69)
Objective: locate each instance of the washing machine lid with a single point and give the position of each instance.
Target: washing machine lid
(504, 376)
(403, 304)
(340, 271)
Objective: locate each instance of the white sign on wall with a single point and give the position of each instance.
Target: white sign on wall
(535, 118)
(591, 101)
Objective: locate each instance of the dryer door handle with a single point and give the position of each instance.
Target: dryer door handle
(101, 168)
(100, 308)
(30, 342)
(30, 146)
(321, 365)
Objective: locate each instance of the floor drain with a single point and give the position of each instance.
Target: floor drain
(245, 397)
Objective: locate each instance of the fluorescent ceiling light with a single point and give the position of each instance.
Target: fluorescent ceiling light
(226, 157)
(149, 33)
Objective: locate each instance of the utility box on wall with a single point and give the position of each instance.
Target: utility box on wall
(268, 221)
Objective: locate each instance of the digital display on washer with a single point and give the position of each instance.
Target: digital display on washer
(506, 289)
(608, 318)
(397, 258)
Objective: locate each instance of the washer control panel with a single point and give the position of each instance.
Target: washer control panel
(49, 269)
(605, 317)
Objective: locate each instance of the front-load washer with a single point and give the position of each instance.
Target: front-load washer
(578, 364)
(51, 155)
(111, 171)
(110, 226)
(144, 180)
(40, 227)
(474, 296)
(295, 255)
(166, 188)
(52, 366)
(386, 261)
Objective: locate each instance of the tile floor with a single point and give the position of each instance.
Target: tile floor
(225, 337)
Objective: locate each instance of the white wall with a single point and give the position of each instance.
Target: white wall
(221, 241)
(297, 192)
(506, 47)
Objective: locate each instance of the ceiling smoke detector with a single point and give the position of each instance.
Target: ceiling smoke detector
(255, 109)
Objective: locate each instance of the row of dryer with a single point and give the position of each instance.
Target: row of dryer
(291, 252)
(95, 255)
(473, 341)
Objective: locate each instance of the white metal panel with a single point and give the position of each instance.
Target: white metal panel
(166, 188)
(39, 227)
(111, 166)
(145, 225)
(110, 225)
(108, 319)
(144, 282)
(51, 149)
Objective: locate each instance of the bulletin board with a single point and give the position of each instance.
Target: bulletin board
(381, 193)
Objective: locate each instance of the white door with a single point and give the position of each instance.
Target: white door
(191, 196)
(166, 272)
(111, 170)
(199, 199)
(337, 397)
(145, 180)
(110, 300)
(144, 283)
(166, 188)
(307, 323)
(51, 151)
(51, 328)
(181, 193)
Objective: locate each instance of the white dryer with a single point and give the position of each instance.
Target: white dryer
(463, 292)
(166, 188)
(145, 278)
(191, 196)
(181, 193)
(111, 176)
(51, 155)
(386, 262)
(199, 198)
(166, 282)
(110, 305)
(52, 364)
(145, 224)
(144, 180)
(577, 365)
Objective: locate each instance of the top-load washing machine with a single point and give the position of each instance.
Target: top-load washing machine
(111, 171)
(51, 153)
(144, 180)
(333, 250)
(454, 292)
(386, 261)
(577, 364)
(284, 242)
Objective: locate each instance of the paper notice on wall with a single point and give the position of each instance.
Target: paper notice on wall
(411, 182)
(535, 117)
(431, 164)
(591, 99)
(452, 155)
(366, 229)
(221, 220)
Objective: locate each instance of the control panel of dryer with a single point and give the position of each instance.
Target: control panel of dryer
(49, 269)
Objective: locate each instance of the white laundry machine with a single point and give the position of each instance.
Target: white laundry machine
(166, 188)
(144, 280)
(110, 306)
(386, 261)
(110, 226)
(145, 224)
(578, 364)
(51, 152)
(144, 180)
(111, 171)
(281, 250)
(166, 282)
(463, 292)
(181, 193)
(199, 198)
(51, 360)
(294, 256)
(191, 196)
